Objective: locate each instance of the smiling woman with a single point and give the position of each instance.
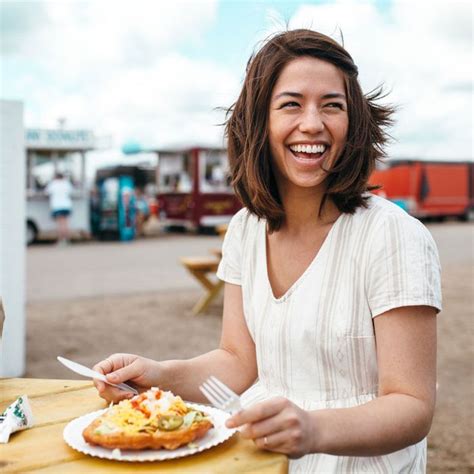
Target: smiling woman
(269, 84)
(307, 122)
(331, 294)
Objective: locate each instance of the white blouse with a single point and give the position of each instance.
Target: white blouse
(315, 345)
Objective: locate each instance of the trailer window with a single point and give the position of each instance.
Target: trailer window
(214, 172)
(42, 166)
(40, 171)
(175, 173)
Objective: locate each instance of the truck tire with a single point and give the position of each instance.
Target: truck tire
(467, 216)
(31, 233)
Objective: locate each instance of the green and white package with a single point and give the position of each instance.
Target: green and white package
(18, 416)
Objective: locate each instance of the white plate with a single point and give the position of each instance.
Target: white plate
(73, 436)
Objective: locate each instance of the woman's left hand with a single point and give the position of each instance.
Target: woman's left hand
(276, 425)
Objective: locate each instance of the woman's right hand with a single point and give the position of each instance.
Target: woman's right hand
(141, 372)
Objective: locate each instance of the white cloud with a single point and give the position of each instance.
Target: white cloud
(114, 66)
(170, 101)
(118, 67)
(422, 51)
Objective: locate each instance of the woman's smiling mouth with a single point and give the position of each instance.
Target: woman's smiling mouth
(308, 154)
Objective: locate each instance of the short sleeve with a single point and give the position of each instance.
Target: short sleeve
(230, 265)
(404, 266)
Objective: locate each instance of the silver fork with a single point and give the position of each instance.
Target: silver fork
(220, 395)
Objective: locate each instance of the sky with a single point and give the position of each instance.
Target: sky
(160, 73)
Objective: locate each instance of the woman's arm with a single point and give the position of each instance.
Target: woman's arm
(399, 417)
(403, 411)
(234, 362)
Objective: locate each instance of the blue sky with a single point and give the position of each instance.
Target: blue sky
(154, 72)
(229, 41)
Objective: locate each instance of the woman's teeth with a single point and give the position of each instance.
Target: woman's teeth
(310, 149)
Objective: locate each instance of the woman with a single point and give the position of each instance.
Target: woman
(331, 293)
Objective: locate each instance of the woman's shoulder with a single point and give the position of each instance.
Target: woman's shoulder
(243, 221)
(380, 210)
(382, 215)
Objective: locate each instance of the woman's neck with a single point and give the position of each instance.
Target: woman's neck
(302, 210)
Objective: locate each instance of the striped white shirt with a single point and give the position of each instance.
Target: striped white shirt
(315, 345)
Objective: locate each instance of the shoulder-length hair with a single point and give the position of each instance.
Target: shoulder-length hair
(246, 128)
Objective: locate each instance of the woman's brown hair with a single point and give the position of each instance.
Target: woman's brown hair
(247, 128)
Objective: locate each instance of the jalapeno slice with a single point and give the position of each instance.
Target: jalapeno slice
(170, 423)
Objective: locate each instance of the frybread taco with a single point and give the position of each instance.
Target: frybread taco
(152, 420)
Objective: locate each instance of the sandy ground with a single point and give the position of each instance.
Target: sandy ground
(99, 304)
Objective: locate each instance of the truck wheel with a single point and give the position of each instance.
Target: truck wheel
(31, 233)
(467, 216)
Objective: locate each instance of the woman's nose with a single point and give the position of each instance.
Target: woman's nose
(311, 122)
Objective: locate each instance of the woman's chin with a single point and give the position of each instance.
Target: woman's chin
(306, 182)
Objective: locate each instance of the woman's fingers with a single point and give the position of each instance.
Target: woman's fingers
(103, 367)
(113, 363)
(262, 428)
(277, 425)
(258, 412)
(116, 369)
(272, 441)
(127, 372)
(120, 367)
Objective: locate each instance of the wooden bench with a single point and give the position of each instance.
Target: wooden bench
(202, 268)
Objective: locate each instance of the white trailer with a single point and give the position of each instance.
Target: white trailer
(49, 151)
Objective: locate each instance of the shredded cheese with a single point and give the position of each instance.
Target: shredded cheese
(142, 412)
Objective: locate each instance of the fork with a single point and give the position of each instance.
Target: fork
(220, 395)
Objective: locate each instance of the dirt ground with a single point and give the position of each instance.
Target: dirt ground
(159, 324)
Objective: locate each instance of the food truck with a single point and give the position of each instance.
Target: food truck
(114, 199)
(194, 188)
(428, 189)
(49, 151)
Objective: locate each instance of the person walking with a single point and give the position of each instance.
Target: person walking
(60, 191)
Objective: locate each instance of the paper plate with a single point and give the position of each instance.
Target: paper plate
(73, 436)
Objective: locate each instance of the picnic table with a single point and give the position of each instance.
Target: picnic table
(204, 270)
(56, 402)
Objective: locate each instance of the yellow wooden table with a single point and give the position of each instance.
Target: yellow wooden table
(55, 402)
(204, 270)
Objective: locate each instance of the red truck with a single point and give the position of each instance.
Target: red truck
(427, 189)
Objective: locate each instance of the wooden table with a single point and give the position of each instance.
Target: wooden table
(55, 402)
(204, 270)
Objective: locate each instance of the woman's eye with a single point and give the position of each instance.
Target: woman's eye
(289, 105)
(335, 105)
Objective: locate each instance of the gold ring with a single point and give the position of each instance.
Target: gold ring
(265, 440)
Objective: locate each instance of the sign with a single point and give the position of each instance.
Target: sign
(59, 139)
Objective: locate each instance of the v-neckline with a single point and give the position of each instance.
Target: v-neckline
(297, 282)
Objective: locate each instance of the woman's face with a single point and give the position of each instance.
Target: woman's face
(308, 122)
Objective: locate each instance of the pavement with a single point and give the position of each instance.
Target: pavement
(87, 269)
(151, 264)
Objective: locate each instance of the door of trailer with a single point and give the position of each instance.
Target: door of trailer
(215, 202)
(175, 175)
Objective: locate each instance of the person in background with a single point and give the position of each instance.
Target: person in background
(143, 211)
(331, 293)
(60, 191)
